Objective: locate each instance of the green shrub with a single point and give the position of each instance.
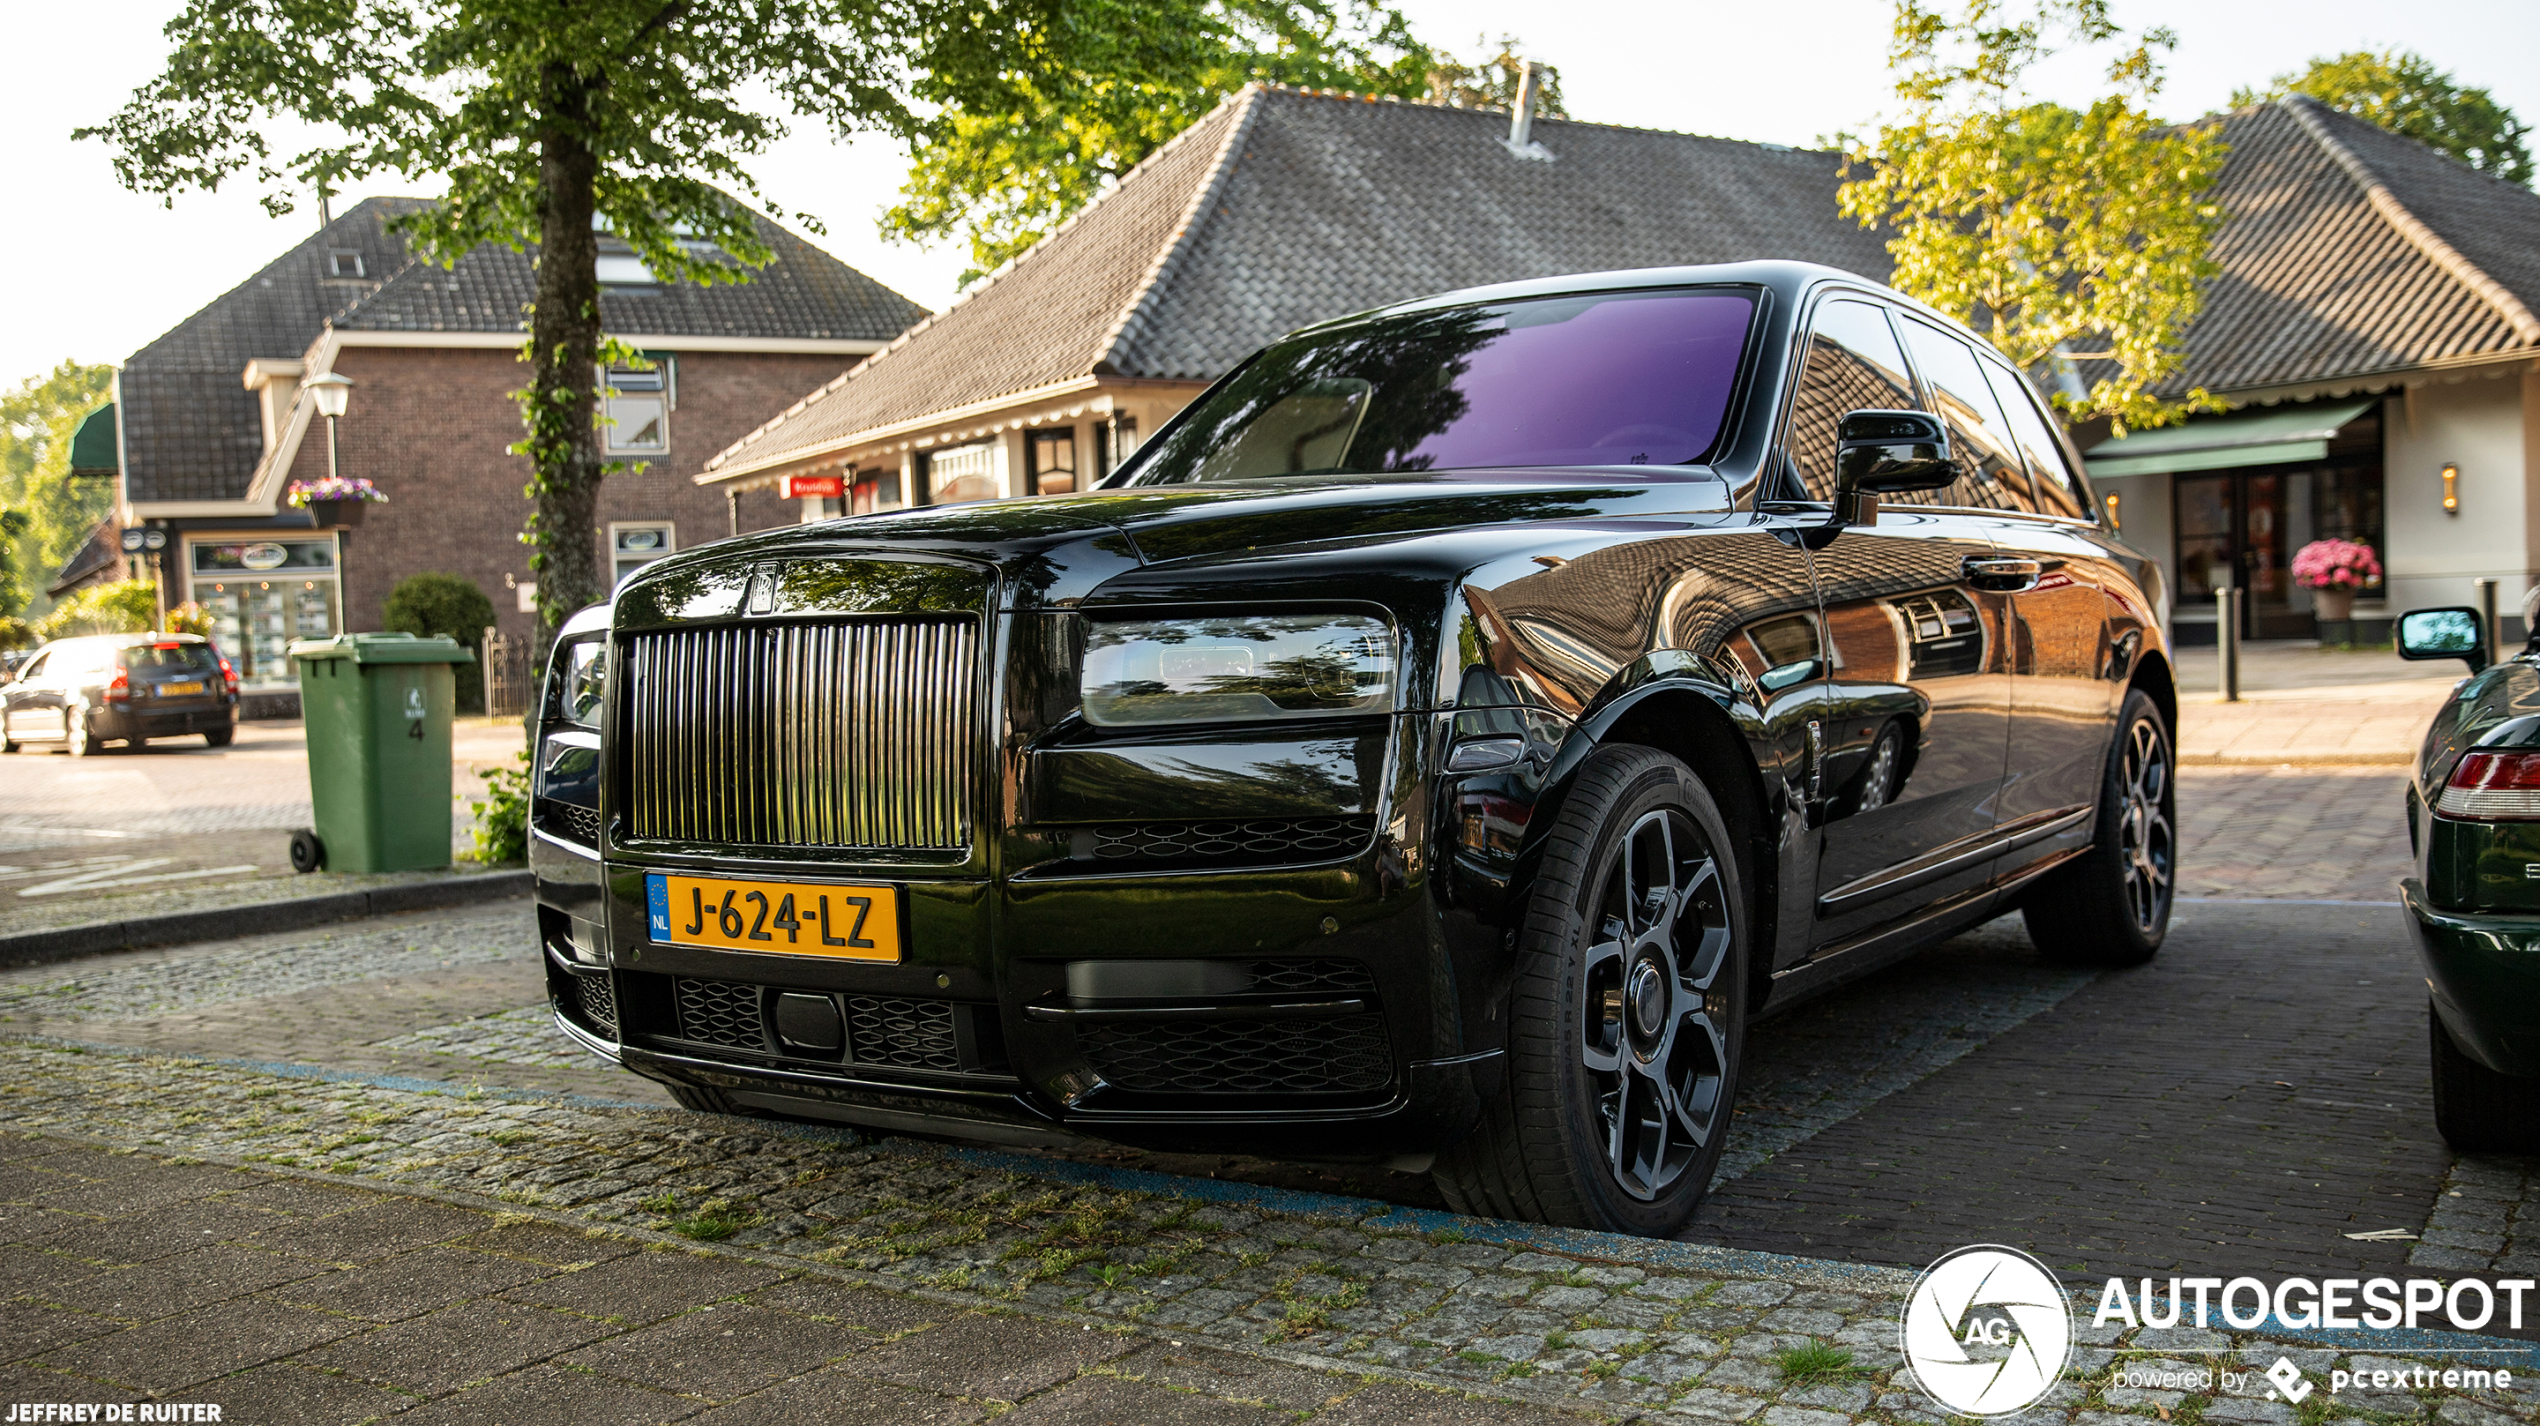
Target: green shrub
(15, 633)
(502, 814)
(450, 605)
(127, 606)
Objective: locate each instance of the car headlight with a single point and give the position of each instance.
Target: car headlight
(581, 682)
(1236, 668)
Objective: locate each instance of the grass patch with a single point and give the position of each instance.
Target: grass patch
(711, 1224)
(1816, 1362)
(508, 1138)
(1450, 1235)
(664, 1204)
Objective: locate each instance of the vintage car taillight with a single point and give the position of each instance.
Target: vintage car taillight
(120, 690)
(2493, 787)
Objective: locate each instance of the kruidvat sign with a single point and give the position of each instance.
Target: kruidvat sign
(1988, 1330)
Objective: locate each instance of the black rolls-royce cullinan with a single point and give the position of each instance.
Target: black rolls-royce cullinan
(1434, 747)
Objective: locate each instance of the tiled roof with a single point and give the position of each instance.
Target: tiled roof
(2323, 277)
(802, 292)
(193, 432)
(1281, 208)
(190, 430)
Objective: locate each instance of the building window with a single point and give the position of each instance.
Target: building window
(343, 262)
(633, 545)
(1115, 440)
(635, 405)
(875, 490)
(1051, 456)
(963, 473)
(262, 594)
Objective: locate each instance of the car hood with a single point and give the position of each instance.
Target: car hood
(1054, 550)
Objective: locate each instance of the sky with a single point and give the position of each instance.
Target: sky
(102, 271)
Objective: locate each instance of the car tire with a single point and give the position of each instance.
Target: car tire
(219, 737)
(2477, 1110)
(78, 739)
(2111, 905)
(1606, 1122)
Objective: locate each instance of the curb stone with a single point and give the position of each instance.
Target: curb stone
(29, 948)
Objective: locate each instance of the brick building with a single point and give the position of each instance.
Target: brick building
(214, 421)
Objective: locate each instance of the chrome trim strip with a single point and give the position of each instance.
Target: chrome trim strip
(1940, 862)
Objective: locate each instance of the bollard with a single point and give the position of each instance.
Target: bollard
(2487, 616)
(2227, 639)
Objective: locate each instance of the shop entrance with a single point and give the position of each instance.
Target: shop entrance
(2243, 526)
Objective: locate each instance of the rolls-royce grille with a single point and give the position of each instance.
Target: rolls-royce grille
(599, 1003)
(853, 734)
(906, 1034)
(1250, 843)
(1345, 1055)
(720, 1012)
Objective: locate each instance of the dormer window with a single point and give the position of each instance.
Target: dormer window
(343, 262)
(635, 405)
(623, 270)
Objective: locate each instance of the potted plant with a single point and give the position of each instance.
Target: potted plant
(2333, 570)
(332, 500)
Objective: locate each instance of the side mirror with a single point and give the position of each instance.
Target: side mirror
(2444, 634)
(1884, 452)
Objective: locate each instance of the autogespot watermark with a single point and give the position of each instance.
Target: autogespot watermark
(1987, 1330)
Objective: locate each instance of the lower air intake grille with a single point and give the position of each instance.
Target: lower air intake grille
(904, 1034)
(1343, 1056)
(574, 824)
(1311, 978)
(720, 1012)
(1254, 843)
(599, 1002)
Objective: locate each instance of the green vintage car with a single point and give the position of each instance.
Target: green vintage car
(2474, 903)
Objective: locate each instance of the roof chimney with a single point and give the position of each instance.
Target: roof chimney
(1521, 119)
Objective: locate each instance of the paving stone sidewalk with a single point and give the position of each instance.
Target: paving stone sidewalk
(1127, 1263)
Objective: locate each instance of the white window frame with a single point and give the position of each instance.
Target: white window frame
(621, 564)
(639, 404)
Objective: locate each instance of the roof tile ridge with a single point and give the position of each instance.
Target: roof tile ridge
(2309, 113)
(962, 299)
(1194, 216)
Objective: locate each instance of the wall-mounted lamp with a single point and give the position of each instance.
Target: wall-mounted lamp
(2451, 489)
(2114, 523)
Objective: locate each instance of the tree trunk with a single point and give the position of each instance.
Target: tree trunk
(564, 335)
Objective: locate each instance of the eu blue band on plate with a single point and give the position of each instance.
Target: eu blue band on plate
(657, 899)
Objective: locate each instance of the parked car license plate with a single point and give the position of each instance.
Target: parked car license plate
(179, 690)
(783, 918)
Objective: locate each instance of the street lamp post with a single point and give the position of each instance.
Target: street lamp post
(330, 392)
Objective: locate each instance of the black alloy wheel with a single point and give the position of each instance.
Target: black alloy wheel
(1627, 1016)
(78, 739)
(2111, 905)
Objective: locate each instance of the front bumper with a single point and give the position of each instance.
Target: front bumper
(2484, 971)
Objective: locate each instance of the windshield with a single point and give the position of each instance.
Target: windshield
(1620, 378)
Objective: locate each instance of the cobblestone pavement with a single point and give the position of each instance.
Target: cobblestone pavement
(157, 1272)
(2296, 833)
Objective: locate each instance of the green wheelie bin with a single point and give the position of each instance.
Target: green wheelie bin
(377, 708)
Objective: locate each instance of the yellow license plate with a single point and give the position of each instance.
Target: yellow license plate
(173, 690)
(780, 918)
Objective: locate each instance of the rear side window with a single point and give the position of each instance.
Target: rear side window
(2059, 490)
(1853, 364)
(36, 669)
(170, 659)
(1991, 475)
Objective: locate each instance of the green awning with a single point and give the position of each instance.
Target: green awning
(2263, 437)
(93, 444)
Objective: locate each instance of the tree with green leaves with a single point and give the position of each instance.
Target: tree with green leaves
(450, 605)
(48, 515)
(553, 120)
(2062, 235)
(998, 177)
(1492, 79)
(2404, 93)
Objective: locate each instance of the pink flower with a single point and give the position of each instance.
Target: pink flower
(2335, 564)
(332, 487)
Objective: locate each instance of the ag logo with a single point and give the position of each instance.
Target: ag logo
(1987, 1330)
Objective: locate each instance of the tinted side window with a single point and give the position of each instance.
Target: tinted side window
(1991, 475)
(2059, 492)
(36, 669)
(1853, 364)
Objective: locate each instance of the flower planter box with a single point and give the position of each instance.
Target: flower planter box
(337, 514)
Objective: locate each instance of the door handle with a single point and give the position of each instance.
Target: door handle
(2001, 576)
